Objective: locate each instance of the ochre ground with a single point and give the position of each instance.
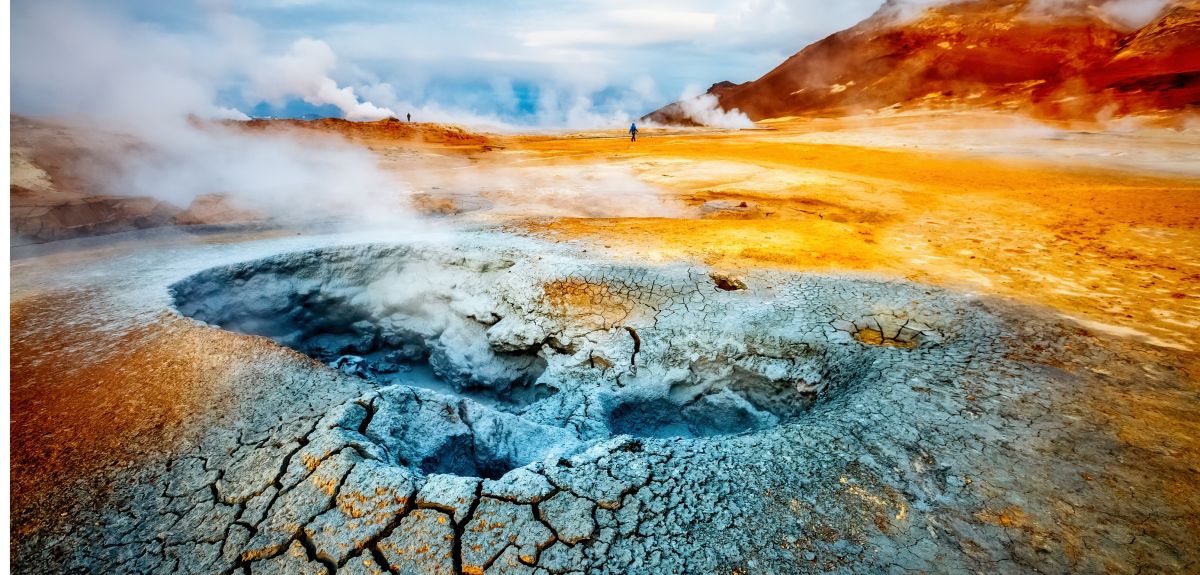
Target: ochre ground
(1117, 249)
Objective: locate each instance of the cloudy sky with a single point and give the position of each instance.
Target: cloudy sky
(577, 63)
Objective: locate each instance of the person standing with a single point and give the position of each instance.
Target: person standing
(633, 132)
(410, 116)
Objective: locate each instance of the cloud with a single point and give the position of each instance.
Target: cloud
(70, 58)
(626, 28)
(586, 64)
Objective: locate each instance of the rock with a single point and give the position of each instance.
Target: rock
(330, 345)
(217, 209)
(405, 353)
(425, 431)
(351, 365)
(730, 210)
(67, 218)
(504, 441)
(727, 282)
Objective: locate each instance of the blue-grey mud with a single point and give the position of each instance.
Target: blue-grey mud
(486, 403)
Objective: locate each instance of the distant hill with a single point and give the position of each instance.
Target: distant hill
(387, 130)
(1078, 61)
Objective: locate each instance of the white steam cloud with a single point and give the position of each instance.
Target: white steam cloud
(304, 72)
(122, 81)
(706, 110)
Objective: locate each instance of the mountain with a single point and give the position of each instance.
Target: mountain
(1062, 59)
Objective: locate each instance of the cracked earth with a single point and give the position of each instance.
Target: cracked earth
(328, 406)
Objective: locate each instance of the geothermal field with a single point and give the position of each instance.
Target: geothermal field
(922, 299)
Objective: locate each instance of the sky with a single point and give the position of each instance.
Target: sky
(572, 64)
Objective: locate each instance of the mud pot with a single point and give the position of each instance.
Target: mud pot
(476, 409)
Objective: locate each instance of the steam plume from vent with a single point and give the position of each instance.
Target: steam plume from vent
(304, 71)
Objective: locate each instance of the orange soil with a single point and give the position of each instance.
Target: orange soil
(90, 397)
(1120, 250)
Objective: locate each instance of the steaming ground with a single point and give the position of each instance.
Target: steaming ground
(706, 352)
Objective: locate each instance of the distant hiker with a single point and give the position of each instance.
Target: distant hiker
(410, 116)
(633, 132)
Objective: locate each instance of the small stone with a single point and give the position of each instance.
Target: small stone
(727, 282)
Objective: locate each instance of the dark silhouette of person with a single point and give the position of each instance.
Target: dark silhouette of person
(410, 116)
(633, 132)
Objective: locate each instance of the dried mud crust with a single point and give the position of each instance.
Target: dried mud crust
(684, 428)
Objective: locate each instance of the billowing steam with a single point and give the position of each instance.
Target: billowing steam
(706, 110)
(304, 71)
(120, 80)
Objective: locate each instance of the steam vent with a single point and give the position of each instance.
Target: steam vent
(411, 288)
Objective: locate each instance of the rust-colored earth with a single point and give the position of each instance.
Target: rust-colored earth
(1060, 60)
(1117, 249)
